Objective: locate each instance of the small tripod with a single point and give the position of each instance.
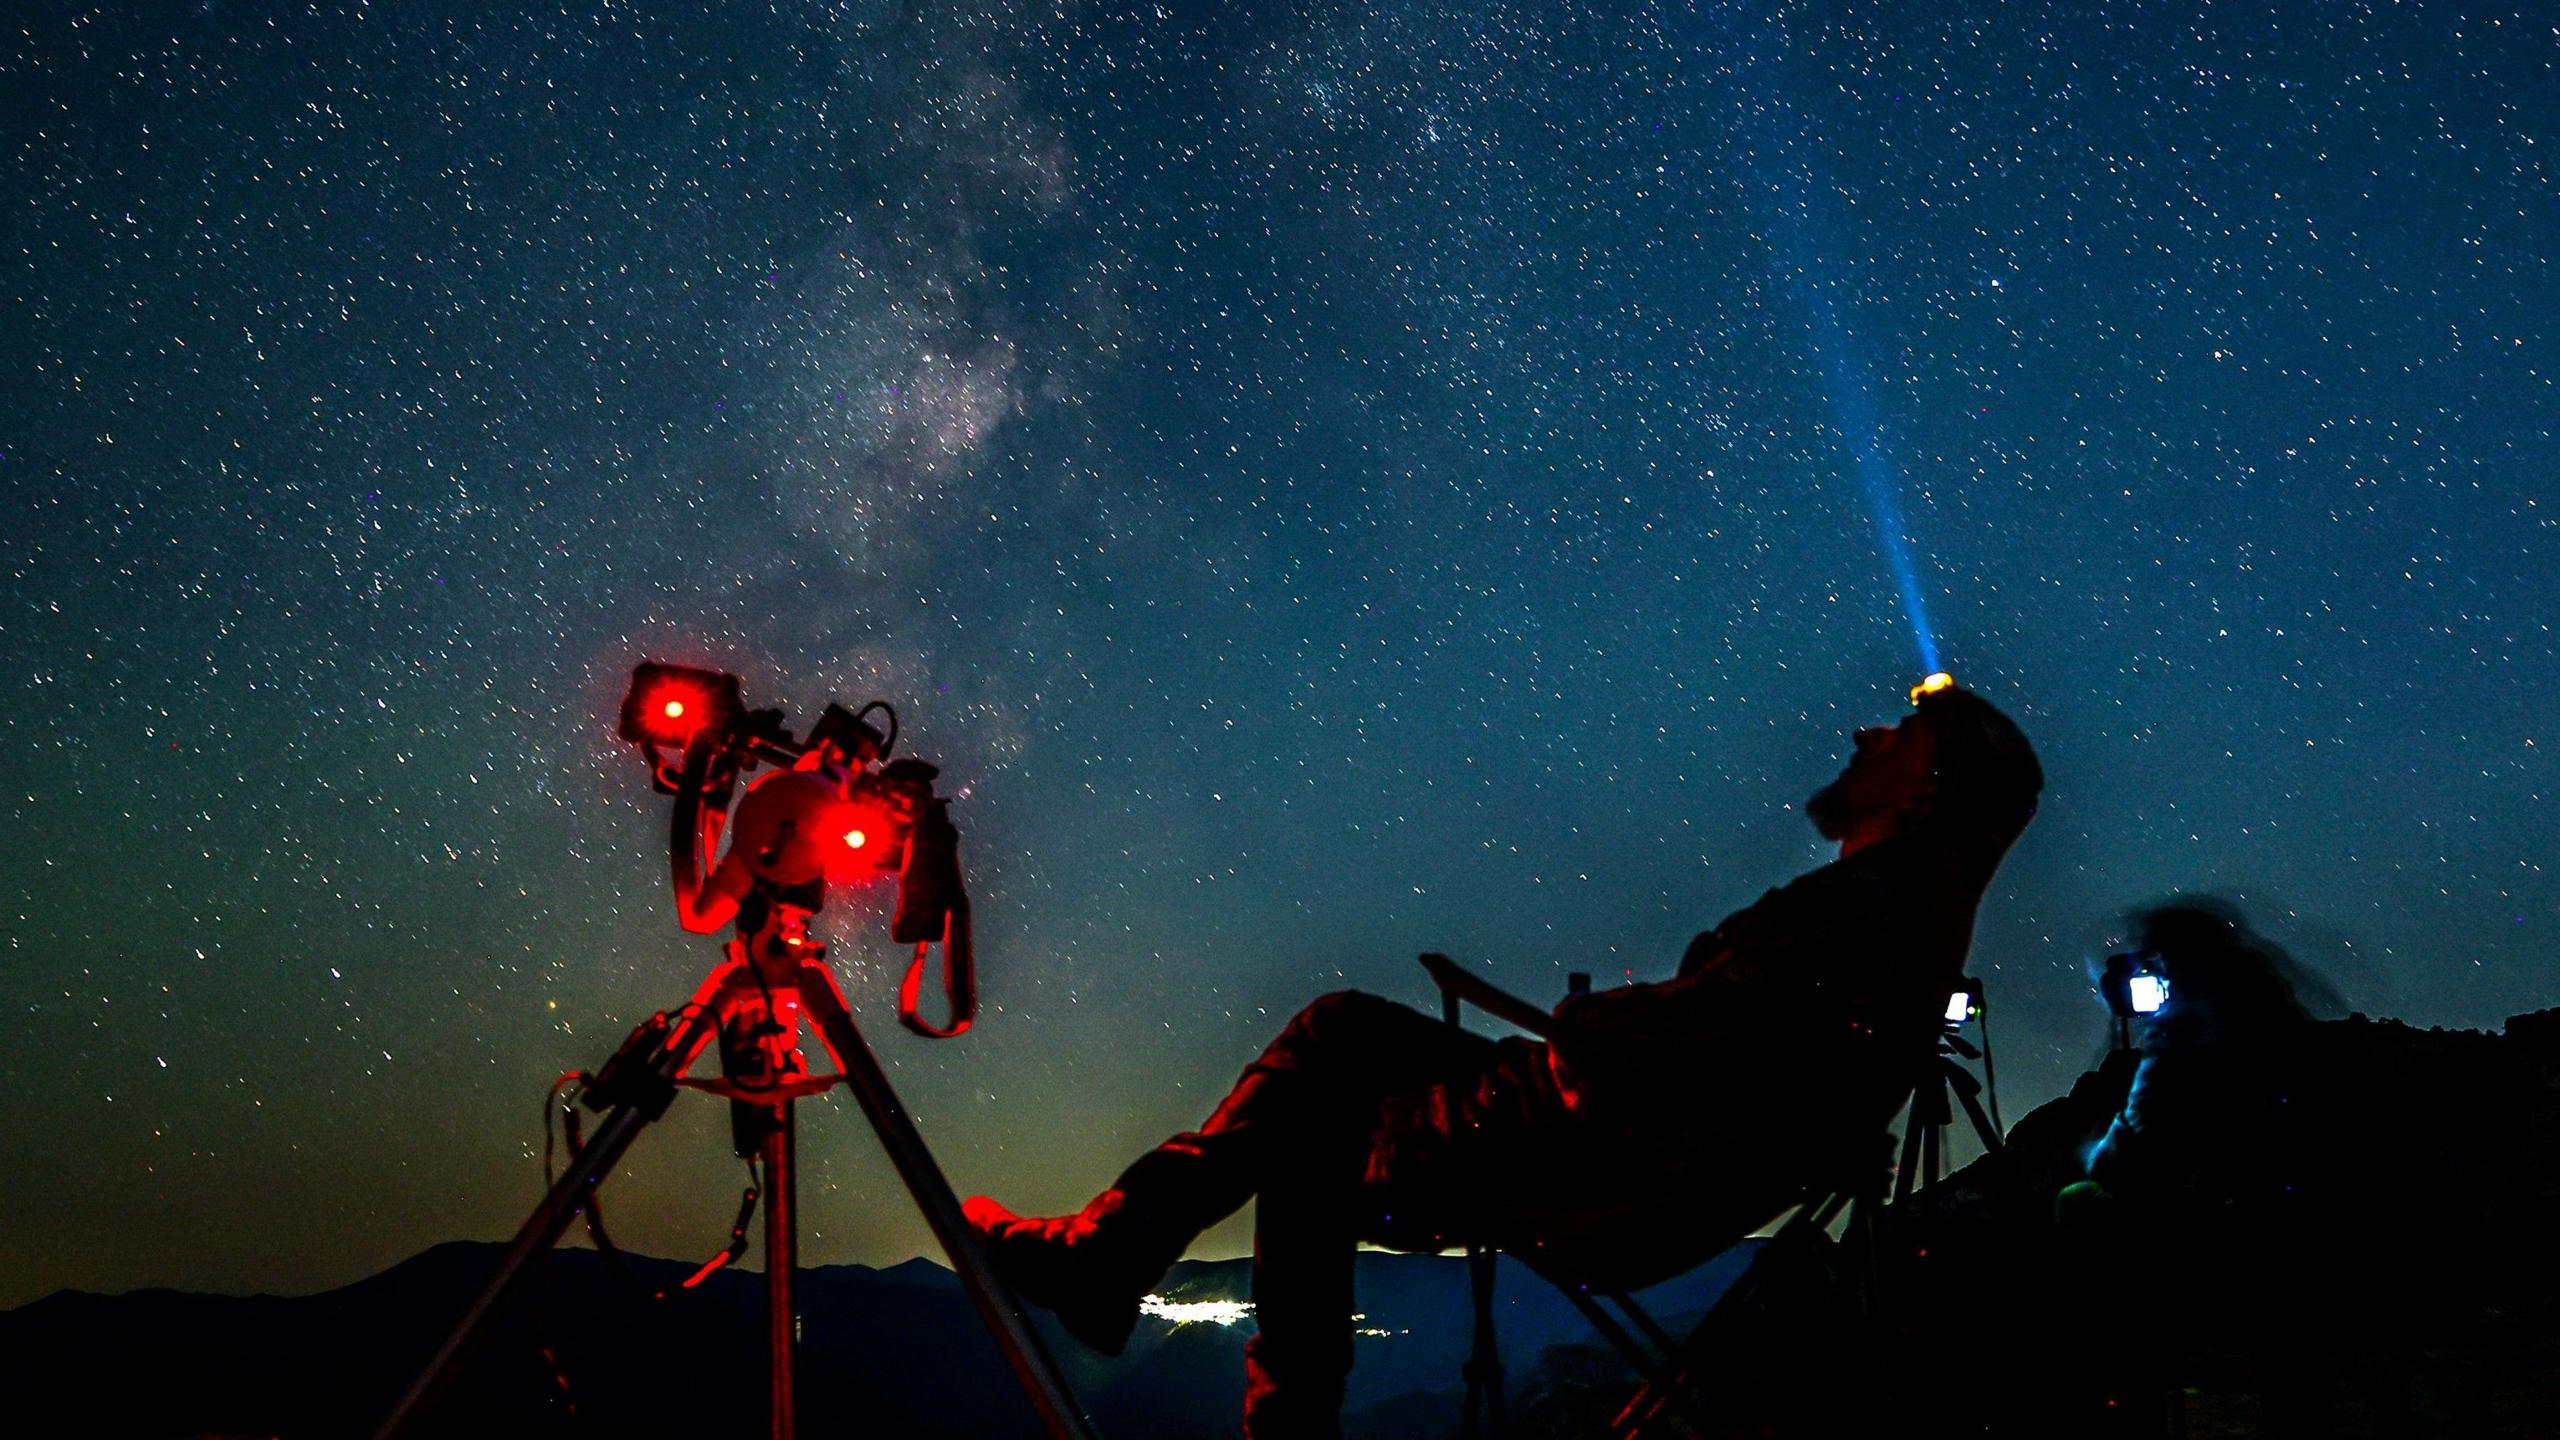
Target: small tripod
(1944, 1083)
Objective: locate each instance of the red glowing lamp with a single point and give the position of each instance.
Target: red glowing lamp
(865, 848)
(671, 704)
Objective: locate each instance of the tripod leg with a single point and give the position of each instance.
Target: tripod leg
(1908, 1171)
(676, 1053)
(1983, 1129)
(1652, 1329)
(782, 1313)
(997, 1306)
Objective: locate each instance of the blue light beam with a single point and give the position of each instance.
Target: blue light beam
(1851, 397)
(1779, 152)
(1853, 406)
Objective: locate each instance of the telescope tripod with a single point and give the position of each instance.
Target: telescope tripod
(771, 979)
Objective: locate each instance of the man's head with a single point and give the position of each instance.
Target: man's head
(1955, 762)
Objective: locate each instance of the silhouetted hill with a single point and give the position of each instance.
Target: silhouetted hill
(2423, 1271)
(892, 1352)
(2410, 1264)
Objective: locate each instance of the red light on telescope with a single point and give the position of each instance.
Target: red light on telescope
(671, 704)
(867, 847)
(675, 714)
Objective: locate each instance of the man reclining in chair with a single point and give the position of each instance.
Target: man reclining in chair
(1654, 1125)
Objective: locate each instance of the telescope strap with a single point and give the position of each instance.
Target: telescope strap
(959, 978)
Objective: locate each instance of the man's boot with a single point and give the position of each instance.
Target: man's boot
(1313, 1088)
(1086, 1268)
(1092, 1268)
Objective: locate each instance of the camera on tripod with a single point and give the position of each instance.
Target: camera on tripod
(1963, 1003)
(837, 810)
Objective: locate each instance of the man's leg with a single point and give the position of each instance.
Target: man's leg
(1306, 1111)
(1313, 1091)
(1305, 1240)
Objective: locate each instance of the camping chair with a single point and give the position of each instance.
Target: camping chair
(1852, 1182)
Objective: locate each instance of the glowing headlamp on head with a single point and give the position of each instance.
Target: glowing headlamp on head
(1931, 686)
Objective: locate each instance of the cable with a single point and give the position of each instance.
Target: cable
(591, 1208)
(959, 978)
(889, 742)
(572, 1131)
(561, 1393)
(737, 1236)
(551, 1108)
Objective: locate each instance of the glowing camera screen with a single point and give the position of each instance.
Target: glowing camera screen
(1959, 1008)
(2148, 993)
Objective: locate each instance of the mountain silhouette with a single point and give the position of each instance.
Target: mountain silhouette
(889, 1351)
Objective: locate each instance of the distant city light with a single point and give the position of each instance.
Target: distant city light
(1196, 1312)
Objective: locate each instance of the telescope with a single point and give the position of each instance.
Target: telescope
(834, 808)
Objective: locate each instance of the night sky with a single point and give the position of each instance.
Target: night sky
(1325, 482)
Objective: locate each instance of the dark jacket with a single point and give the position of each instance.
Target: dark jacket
(1668, 1119)
(1812, 1005)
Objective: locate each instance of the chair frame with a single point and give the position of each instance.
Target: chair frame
(1669, 1367)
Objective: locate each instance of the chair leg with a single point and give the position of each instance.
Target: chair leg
(1655, 1369)
(1485, 1406)
(1644, 1321)
(1670, 1395)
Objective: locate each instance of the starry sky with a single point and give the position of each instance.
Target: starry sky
(1326, 481)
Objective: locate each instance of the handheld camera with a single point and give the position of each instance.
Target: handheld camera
(2135, 987)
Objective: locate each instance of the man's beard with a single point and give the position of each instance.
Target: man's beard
(1829, 809)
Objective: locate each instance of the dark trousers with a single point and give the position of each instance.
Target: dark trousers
(1298, 1131)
